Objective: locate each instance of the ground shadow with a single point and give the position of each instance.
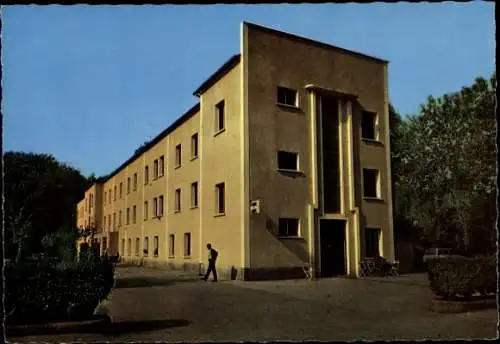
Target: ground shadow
(126, 327)
(141, 282)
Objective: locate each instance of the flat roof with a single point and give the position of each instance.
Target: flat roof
(178, 122)
(218, 74)
(313, 42)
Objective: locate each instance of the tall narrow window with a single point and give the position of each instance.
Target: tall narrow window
(146, 175)
(160, 205)
(155, 169)
(194, 146)
(194, 195)
(105, 197)
(114, 194)
(368, 125)
(134, 214)
(128, 216)
(135, 181)
(288, 227)
(129, 248)
(162, 165)
(286, 96)
(220, 198)
(109, 221)
(372, 239)
(155, 207)
(123, 247)
(178, 155)
(137, 246)
(171, 245)
(155, 246)
(128, 185)
(104, 223)
(146, 246)
(288, 161)
(145, 210)
(177, 200)
(219, 116)
(114, 220)
(371, 187)
(187, 244)
(120, 218)
(121, 190)
(109, 196)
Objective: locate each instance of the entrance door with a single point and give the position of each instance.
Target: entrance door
(332, 245)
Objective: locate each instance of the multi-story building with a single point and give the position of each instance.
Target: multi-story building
(284, 161)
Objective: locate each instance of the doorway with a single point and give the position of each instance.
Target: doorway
(332, 247)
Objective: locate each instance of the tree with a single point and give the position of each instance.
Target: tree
(41, 194)
(448, 162)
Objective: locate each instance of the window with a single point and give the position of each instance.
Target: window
(114, 220)
(137, 246)
(121, 190)
(220, 198)
(109, 196)
(155, 207)
(194, 195)
(288, 161)
(128, 216)
(104, 224)
(219, 116)
(162, 165)
(104, 245)
(128, 185)
(287, 96)
(368, 125)
(288, 227)
(155, 246)
(370, 183)
(178, 155)
(160, 205)
(146, 175)
(135, 181)
(129, 248)
(171, 245)
(123, 247)
(177, 200)
(105, 197)
(194, 146)
(120, 218)
(109, 221)
(155, 169)
(134, 214)
(114, 194)
(146, 246)
(372, 239)
(145, 210)
(187, 244)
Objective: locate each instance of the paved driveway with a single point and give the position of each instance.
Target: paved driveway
(152, 305)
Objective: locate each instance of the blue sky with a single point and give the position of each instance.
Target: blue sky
(89, 84)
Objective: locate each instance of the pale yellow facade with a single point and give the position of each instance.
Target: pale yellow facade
(238, 155)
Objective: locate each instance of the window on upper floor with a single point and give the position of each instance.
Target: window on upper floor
(178, 155)
(127, 218)
(135, 181)
(134, 214)
(145, 210)
(137, 246)
(146, 246)
(121, 190)
(288, 161)
(155, 207)
(120, 218)
(161, 163)
(220, 198)
(371, 183)
(146, 175)
(129, 248)
(288, 227)
(160, 205)
(194, 195)
(286, 96)
(177, 206)
(128, 185)
(114, 194)
(171, 245)
(105, 197)
(194, 146)
(187, 244)
(155, 169)
(369, 125)
(109, 196)
(220, 116)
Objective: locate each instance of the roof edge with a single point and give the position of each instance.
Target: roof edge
(218, 74)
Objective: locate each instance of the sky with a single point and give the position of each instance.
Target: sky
(89, 84)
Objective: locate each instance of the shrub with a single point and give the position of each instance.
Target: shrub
(459, 277)
(43, 292)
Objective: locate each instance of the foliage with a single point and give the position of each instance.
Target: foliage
(446, 158)
(41, 292)
(61, 245)
(40, 194)
(459, 277)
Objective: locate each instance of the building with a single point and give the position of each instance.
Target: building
(283, 162)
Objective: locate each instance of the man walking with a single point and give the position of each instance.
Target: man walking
(212, 257)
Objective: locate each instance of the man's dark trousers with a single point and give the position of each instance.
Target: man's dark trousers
(211, 268)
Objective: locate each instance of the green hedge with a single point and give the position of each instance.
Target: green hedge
(460, 277)
(42, 292)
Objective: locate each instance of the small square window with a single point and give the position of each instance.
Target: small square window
(194, 145)
(177, 200)
(220, 201)
(187, 244)
(288, 227)
(178, 155)
(368, 125)
(171, 245)
(372, 239)
(219, 116)
(371, 183)
(286, 96)
(194, 195)
(288, 161)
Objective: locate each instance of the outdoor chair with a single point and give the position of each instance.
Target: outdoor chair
(395, 268)
(307, 271)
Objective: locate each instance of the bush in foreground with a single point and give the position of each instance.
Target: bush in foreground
(454, 278)
(41, 292)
